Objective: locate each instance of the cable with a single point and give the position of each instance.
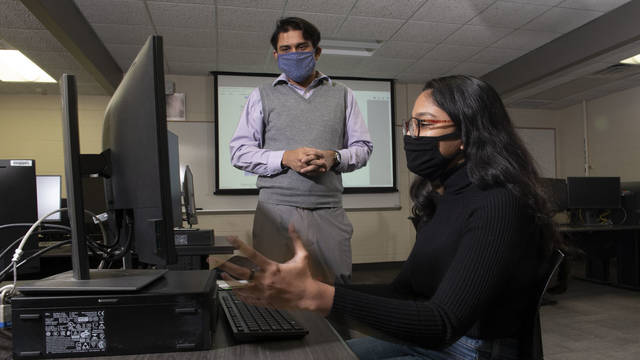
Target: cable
(30, 224)
(3, 273)
(54, 231)
(18, 252)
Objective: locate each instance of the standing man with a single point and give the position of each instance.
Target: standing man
(299, 134)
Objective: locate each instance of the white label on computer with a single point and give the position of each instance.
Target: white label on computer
(181, 239)
(21, 163)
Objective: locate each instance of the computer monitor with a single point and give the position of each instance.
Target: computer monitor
(135, 163)
(555, 191)
(189, 197)
(48, 194)
(593, 192)
(174, 175)
(590, 196)
(135, 135)
(18, 204)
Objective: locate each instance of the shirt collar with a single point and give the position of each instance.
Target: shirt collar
(282, 79)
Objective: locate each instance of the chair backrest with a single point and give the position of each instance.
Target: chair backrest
(531, 339)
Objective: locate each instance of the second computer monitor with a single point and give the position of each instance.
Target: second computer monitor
(593, 192)
(48, 193)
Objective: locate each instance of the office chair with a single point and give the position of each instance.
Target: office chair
(531, 336)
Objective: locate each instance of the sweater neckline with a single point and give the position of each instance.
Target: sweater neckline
(457, 180)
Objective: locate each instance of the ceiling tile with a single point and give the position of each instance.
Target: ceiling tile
(561, 20)
(327, 24)
(123, 34)
(186, 54)
(432, 67)
(15, 15)
(508, 15)
(123, 54)
(388, 67)
(189, 68)
(125, 12)
(338, 64)
(233, 18)
(496, 56)
(256, 4)
(402, 49)
(368, 28)
(3, 44)
(428, 32)
(203, 2)
(241, 40)
(391, 9)
(452, 12)
(454, 53)
(182, 15)
(538, 2)
(52, 58)
(182, 37)
(414, 78)
(339, 7)
(245, 58)
(568, 89)
(473, 69)
(525, 40)
(23, 39)
(596, 5)
(473, 35)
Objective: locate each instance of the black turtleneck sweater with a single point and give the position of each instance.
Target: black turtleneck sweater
(471, 272)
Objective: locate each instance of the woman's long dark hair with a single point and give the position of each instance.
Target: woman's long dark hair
(494, 154)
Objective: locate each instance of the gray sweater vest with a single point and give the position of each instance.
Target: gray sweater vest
(291, 122)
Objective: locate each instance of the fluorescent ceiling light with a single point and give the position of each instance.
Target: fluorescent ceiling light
(634, 60)
(352, 48)
(332, 51)
(15, 67)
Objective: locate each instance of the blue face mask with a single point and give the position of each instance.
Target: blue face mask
(298, 66)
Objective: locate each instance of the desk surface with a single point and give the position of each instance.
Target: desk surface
(578, 228)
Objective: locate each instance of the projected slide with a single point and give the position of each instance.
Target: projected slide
(374, 98)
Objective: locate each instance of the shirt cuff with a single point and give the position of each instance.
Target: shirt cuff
(344, 160)
(275, 161)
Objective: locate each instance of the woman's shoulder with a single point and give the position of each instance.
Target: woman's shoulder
(499, 197)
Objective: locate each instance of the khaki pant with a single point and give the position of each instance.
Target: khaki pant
(325, 232)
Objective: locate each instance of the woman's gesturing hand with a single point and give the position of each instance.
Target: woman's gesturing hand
(288, 285)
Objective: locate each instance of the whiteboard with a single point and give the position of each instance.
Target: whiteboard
(196, 144)
(541, 143)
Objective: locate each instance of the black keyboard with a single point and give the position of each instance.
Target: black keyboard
(255, 323)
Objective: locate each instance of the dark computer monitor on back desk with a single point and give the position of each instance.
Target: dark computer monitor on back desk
(589, 196)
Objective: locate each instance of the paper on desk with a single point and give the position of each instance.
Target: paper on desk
(231, 284)
(217, 260)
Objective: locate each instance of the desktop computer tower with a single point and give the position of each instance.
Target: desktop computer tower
(175, 313)
(18, 204)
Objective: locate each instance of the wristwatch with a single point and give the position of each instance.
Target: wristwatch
(337, 159)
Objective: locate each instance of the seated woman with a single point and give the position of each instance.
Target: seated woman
(483, 233)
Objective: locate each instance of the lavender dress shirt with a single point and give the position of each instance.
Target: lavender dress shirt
(246, 145)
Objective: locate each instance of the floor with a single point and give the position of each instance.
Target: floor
(589, 321)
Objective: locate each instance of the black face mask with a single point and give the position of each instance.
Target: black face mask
(424, 157)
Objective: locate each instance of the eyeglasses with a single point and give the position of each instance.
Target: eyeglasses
(414, 126)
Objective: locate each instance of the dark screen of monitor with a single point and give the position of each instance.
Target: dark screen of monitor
(18, 202)
(593, 192)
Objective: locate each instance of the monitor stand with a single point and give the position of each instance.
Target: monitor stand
(107, 280)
